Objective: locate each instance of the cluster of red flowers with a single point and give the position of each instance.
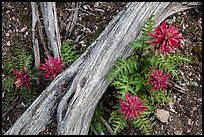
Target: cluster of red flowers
(166, 38)
(52, 67)
(22, 79)
(158, 79)
(132, 107)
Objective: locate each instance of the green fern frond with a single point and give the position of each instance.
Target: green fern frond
(123, 67)
(118, 123)
(158, 97)
(148, 27)
(128, 83)
(21, 58)
(68, 54)
(7, 84)
(143, 124)
(170, 63)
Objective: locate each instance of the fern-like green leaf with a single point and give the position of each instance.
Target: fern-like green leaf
(68, 54)
(118, 124)
(123, 67)
(143, 124)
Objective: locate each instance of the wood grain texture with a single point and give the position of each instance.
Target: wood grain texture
(75, 92)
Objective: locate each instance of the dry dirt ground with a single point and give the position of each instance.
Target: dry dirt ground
(186, 119)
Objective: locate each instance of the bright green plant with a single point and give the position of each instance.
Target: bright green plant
(19, 58)
(69, 55)
(132, 74)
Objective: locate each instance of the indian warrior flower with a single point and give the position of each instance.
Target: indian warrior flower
(166, 38)
(52, 67)
(132, 107)
(158, 79)
(21, 79)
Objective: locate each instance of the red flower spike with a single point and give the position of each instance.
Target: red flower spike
(158, 79)
(132, 107)
(52, 67)
(166, 38)
(21, 79)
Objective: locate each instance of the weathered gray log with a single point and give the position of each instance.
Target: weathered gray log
(35, 41)
(51, 26)
(75, 92)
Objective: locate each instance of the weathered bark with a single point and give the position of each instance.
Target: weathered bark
(51, 26)
(74, 93)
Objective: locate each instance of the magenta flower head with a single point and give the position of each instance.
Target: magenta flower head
(51, 67)
(158, 79)
(22, 79)
(166, 38)
(132, 107)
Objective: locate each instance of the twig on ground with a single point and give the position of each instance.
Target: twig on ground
(74, 17)
(107, 125)
(87, 11)
(84, 27)
(179, 88)
(182, 74)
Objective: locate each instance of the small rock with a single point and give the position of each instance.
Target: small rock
(86, 6)
(7, 34)
(152, 118)
(22, 105)
(189, 122)
(8, 43)
(178, 132)
(179, 99)
(96, 4)
(23, 29)
(189, 130)
(171, 107)
(82, 43)
(3, 94)
(8, 11)
(77, 38)
(194, 84)
(162, 115)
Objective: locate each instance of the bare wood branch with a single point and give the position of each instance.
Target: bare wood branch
(85, 79)
(51, 27)
(35, 41)
(110, 130)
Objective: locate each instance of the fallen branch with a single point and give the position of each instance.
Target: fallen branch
(110, 130)
(73, 95)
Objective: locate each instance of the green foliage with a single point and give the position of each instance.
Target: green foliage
(21, 58)
(131, 75)
(158, 97)
(96, 122)
(68, 54)
(170, 63)
(7, 84)
(143, 124)
(148, 27)
(118, 123)
(144, 40)
(123, 67)
(28, 95)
